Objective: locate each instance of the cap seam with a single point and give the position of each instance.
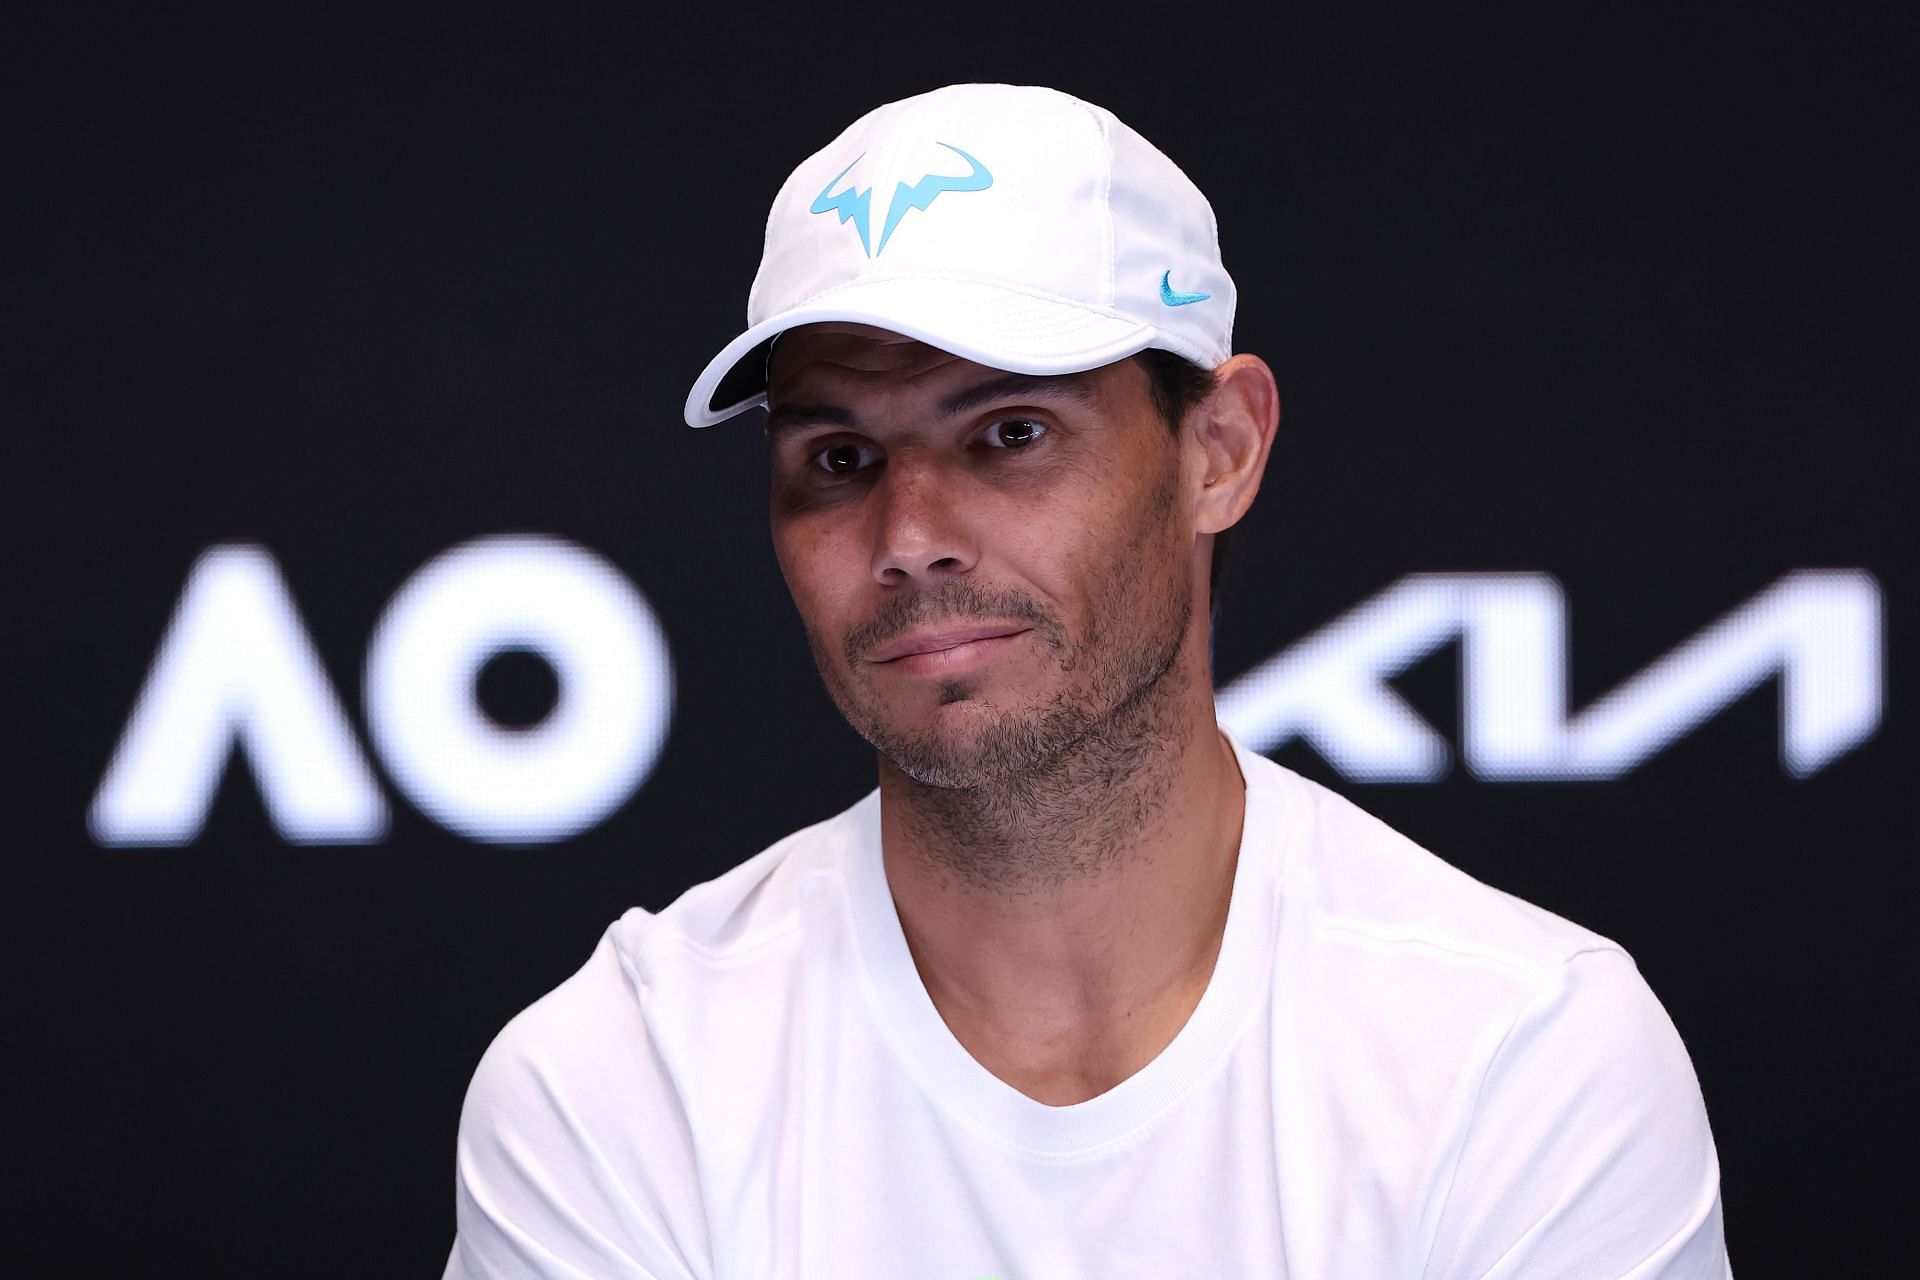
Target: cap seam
(1106, 208)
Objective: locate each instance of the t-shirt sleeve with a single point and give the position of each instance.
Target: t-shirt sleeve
(1588, 1156)
(575, 1158)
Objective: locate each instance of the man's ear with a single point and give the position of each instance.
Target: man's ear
(1234, 427)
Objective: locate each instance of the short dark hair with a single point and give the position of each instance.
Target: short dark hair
(1177, 385)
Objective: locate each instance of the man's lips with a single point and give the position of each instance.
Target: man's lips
(939, 639)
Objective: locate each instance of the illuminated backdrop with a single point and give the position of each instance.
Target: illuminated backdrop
(376, 633)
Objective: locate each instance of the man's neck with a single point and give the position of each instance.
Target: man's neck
(1065, 925)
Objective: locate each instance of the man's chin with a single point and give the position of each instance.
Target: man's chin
(965, 743)
(940, 766)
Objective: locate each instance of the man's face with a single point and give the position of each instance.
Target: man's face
(991, 568)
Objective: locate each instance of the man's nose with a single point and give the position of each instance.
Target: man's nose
(920, 533)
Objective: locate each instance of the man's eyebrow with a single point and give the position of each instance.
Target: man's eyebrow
(791, 417)
(1059, 386)
(785, 418)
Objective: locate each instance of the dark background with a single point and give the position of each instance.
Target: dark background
(1630, 302)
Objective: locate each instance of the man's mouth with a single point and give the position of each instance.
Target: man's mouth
(924, 641)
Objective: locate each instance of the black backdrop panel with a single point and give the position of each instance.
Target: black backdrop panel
(1595, 339)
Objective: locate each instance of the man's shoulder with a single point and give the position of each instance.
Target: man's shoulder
(1355, 880)
(665, 1008)
(1526, 1055)
(757, 908)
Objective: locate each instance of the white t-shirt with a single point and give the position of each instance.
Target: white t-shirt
(1395, 1071)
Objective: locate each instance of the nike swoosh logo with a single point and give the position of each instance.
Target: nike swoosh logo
(1174, 298)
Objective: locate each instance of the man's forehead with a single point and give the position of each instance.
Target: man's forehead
(839, 350)
(832, 359)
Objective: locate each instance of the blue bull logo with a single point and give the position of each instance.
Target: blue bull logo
(854, 206)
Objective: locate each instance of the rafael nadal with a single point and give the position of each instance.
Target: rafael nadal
(1084, 988)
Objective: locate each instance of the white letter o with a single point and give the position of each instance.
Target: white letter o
(604, 734)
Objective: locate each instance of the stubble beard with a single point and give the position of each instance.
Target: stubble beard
(1024, 798)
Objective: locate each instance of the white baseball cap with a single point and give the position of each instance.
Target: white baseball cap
(1014, 226)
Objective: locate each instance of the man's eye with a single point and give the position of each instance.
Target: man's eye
(843, 459)
(1014, 433)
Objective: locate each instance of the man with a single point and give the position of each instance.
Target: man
(1084, 988)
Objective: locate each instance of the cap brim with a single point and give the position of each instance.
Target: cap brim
(990, 324)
